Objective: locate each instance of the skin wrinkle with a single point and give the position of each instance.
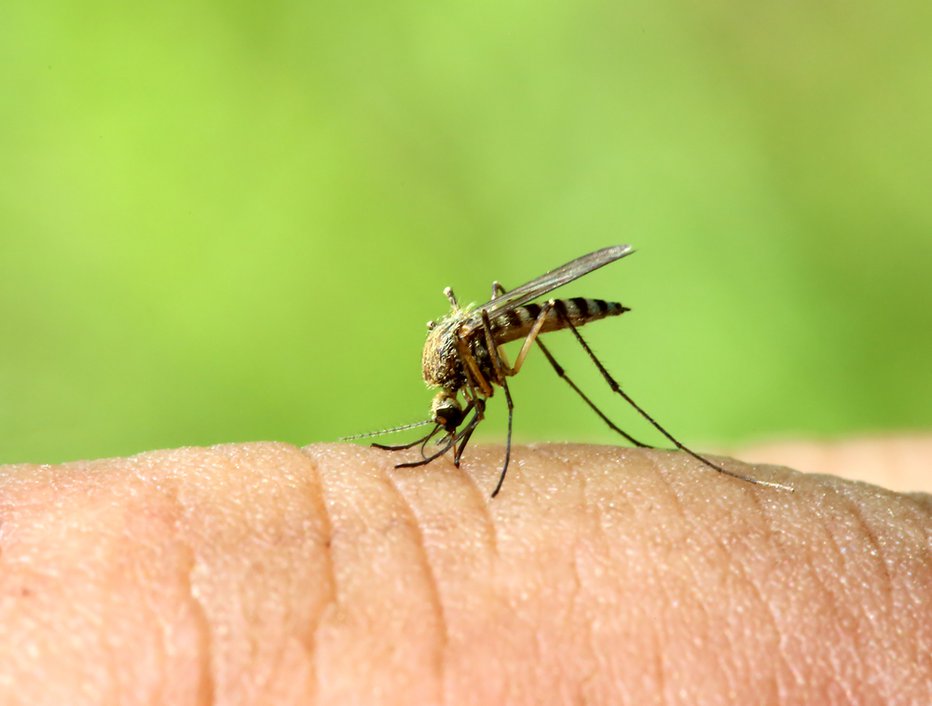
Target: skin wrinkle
(839, 599)
(260, 481)
(314, 514)
(668, 484)
(782, 645)
(770, 530)
(319, 503)
(485, 508)
(777, 681)
(585, 682)
(381, 641)
(755, 499)
(599, 538)
(662, 667)
(588, 505)
(221, 465)
(919, 508)
(838, 602)
(433, 588)
(686, 521)
(659, 661)
(877, 550)
(167, 487)
(660, 670)
(577, 589)
(149, 615)
(259, 682)
(699, 528)
(206, 690)
(153, 618)
(850, 696)
(731, 676)
(833, 605)
(885, 554)
(878, 559)
(744, 571)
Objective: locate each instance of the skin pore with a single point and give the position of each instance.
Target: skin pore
(268, 574)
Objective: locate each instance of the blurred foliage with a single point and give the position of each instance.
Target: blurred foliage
(228, 221)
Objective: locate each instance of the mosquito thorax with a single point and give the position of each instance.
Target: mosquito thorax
(441, 366)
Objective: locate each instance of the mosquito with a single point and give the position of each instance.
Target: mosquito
(463, 357)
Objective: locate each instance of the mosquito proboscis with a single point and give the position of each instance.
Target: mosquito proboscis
(463, 357)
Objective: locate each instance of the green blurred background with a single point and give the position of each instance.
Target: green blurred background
(226, 221)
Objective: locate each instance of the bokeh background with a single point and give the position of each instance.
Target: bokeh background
(226, 221)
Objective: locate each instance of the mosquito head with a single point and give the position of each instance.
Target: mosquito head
(446, 411)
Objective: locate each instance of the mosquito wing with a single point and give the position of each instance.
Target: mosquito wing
(564, 274)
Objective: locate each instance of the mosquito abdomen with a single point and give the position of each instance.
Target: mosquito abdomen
(517, 322)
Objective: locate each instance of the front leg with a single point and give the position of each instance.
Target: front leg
(476, 382)
(503, 381)
(532, 336)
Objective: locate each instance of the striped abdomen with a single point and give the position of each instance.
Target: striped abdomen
(518, 322)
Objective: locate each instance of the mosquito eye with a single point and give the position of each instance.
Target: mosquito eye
(449, 417)
(449, 424)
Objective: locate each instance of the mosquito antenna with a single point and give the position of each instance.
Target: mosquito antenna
(383, 432)
(682, 447)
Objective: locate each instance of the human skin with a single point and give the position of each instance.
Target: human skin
(267, 574)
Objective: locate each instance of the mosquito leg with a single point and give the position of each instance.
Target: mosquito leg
(475, 379)
(612, 383)
(424, 461)
(532, 336)
(511, 406)
(439, 442)
(464, 439)
(562, 374)
(467, 433)
(400, 447)
(500, 374)
(477, 417)
(498, 290)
